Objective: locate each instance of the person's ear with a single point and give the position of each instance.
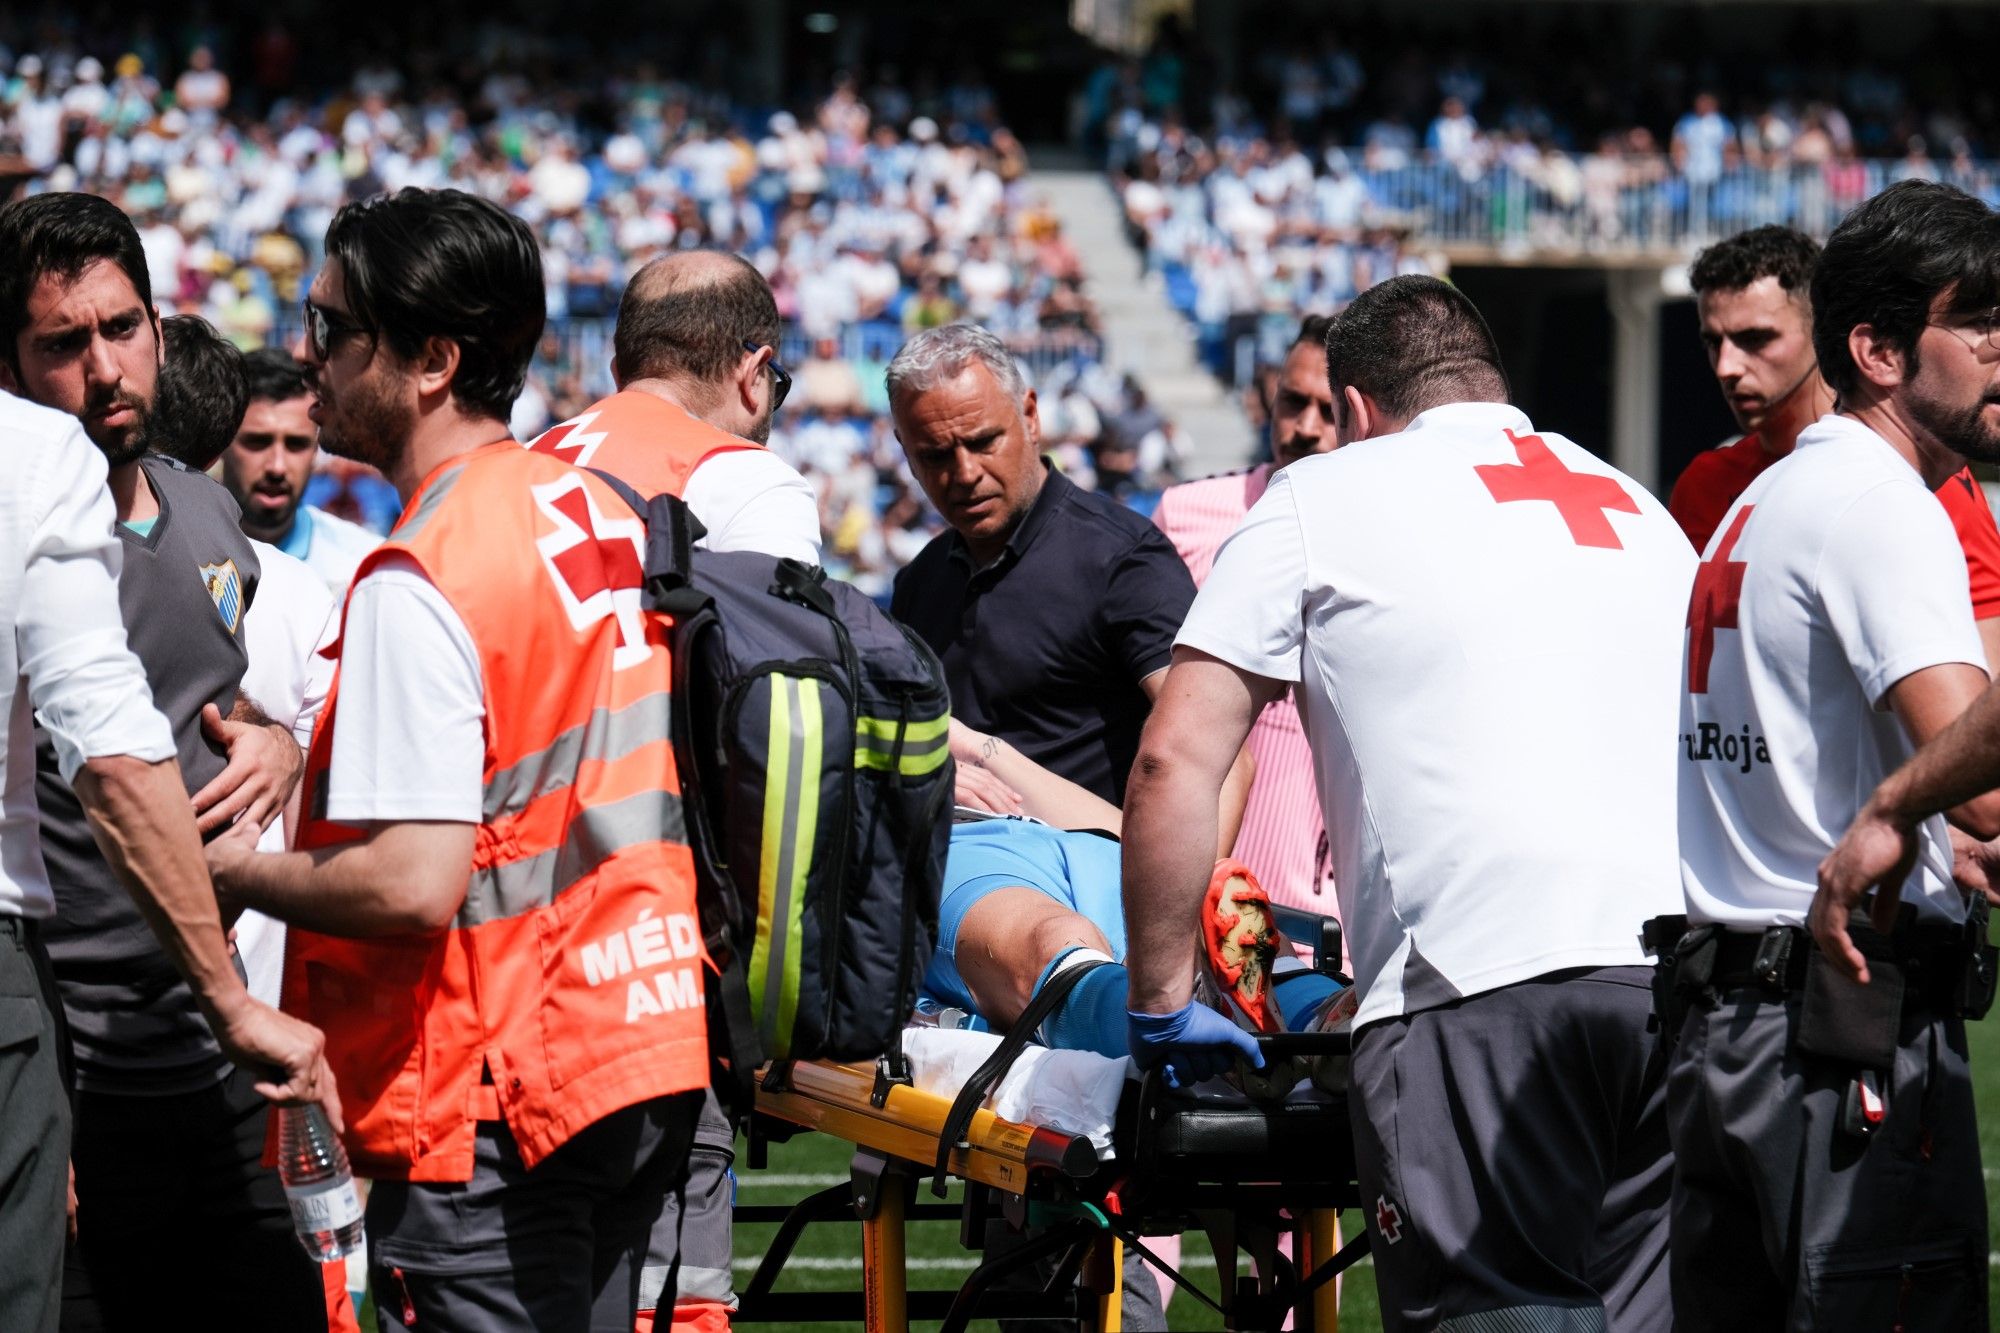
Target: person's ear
(1031, 420)
(1879, 362)
(437, 365)
(749, 370)
(10, 378)
(1359, 415)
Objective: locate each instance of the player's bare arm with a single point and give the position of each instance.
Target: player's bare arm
(1191, 745)
(148, 839)
(403, 878)
(1235, 794)
(1941, 708)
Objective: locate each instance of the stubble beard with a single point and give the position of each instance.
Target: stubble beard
(369, 425)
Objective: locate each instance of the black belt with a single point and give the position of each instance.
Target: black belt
(1774, 960)
(20, 927)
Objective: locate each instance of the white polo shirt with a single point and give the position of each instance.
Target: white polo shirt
(1835, 575)
(63, 655)
(1485, 623)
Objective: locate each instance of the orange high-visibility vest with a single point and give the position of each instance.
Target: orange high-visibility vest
(648, 443)
(570, 985)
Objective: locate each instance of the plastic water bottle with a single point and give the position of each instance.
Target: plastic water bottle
(326, 1210)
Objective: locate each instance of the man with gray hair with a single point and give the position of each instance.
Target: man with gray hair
(1053, 609)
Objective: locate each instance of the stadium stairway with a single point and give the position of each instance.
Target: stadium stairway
(1144, 335)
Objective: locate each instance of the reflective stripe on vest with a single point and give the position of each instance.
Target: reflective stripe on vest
(417, 520)
(593, 837)
(609, 736)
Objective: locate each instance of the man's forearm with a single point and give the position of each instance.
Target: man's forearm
(1961, 763)
(1169, 852)
(401, 879)
(140, 817)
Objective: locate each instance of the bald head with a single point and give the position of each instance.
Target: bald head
(684, 319)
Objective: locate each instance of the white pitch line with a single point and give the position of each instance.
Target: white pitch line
(816, 1180)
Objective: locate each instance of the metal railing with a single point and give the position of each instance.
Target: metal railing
(1607, 206)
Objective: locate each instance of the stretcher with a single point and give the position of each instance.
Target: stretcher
(1206, 1162)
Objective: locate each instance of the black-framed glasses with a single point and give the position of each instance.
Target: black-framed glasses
(781, 379)
(323, 326)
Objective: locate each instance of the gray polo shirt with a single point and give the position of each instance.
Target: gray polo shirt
(185, 586)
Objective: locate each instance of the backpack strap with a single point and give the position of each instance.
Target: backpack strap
(671, 532)
(959, 1119)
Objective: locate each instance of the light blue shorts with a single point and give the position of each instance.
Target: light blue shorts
(1078, 870)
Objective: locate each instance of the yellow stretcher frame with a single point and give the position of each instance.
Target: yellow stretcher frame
(896, 1129)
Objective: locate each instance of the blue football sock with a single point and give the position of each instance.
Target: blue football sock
(1092, 1016)
(1301, 995)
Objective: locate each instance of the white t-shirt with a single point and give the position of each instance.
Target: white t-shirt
(407, 744)
(287, 676)
(1488, 682)
(1850, 579)
(753, 500)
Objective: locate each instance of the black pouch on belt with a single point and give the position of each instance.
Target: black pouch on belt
(1848, 1022)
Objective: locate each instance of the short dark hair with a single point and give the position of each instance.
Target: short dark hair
(275, 375)
(1312, 329)
(1886, 263)
(60, 234)
(1414, 343)
(692, 328)
(424, 264)
(1733, 263)
(202, 393)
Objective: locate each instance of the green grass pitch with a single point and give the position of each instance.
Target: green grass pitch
(830, 1260)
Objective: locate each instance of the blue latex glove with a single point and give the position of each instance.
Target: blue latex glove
(1194, 1043)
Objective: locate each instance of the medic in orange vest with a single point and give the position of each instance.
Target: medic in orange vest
(493, 911)
(698, 382)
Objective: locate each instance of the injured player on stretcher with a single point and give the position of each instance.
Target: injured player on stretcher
(1031, 895)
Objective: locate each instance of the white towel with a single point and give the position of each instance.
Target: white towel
(1075, 1092)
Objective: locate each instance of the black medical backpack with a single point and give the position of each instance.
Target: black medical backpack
(810, 733)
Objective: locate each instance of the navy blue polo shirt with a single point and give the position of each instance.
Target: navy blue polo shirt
(1045, 647)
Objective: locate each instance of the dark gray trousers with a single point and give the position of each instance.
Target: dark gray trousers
(558, 1249)
(1513, 1159)
(693, 1241)
(34, 1134)
(1784, 1220)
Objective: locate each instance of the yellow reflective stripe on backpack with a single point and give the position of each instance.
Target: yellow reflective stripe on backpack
(926, 744)
(791, 817)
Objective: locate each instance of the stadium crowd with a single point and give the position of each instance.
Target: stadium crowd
(874, 215)
(1602, 813)
(1299, 191)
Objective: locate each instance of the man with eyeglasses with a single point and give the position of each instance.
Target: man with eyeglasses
(694, 359)
(1828, 1172)
(1750, 293)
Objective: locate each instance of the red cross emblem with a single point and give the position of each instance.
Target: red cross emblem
(1387, 1220)
(1718, 587)
(597, 563)
(1580, 497)
(572, 441)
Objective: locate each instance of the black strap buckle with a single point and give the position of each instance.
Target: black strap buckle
(1774, 954)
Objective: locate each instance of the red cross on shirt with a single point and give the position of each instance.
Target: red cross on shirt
(1580, 497)
(595, 564)
(1718, 586)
